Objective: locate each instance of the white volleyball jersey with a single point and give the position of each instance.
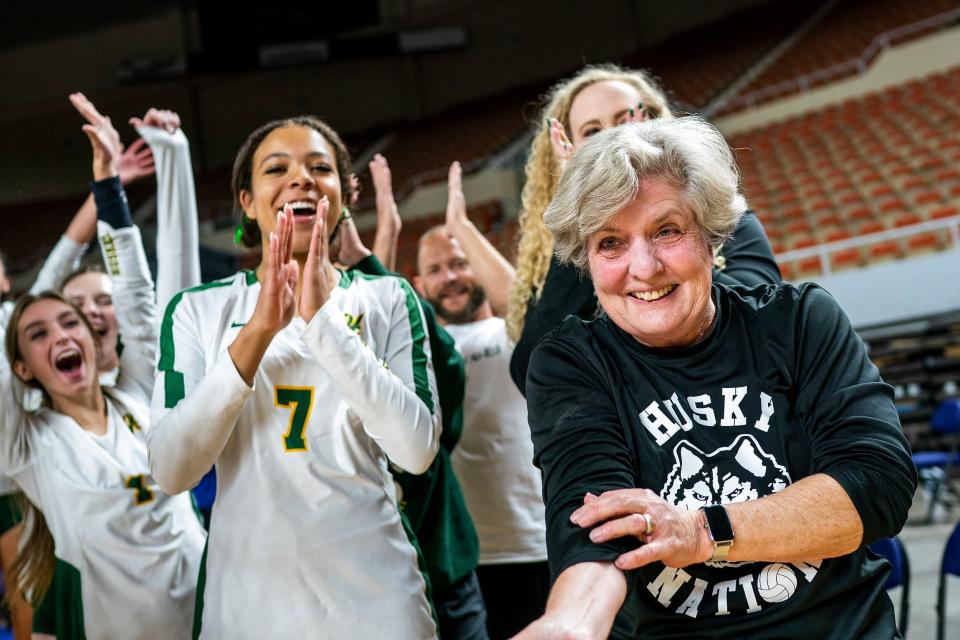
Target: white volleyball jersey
(62, 259)
(135, 550)
(305, 538)
(494, 458)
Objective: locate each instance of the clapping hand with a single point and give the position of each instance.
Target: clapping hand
(276, 303)
(315, 290)
(104, 139)
(456, 216)
(387, 213)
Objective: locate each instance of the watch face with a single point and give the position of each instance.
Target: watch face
(719, 523)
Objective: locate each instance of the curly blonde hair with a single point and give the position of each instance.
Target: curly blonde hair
(536, 244)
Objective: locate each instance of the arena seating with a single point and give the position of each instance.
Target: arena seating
(924, 368)
(884, 161)
(843, 34)
(31, 229)
(693, 84)
(24, 244)
(422, 153)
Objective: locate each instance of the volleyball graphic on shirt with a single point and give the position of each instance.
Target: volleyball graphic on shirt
(776, 582)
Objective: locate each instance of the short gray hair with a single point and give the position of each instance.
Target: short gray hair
(604, 176)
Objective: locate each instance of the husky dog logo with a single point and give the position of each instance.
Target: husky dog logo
(743, 471)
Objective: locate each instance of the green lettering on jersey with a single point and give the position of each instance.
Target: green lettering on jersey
(142, 493)
(300, 400)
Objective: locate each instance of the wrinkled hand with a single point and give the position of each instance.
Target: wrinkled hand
(678, 538)
(315, 289)
(456, 216)
(104, 139)
(136, 162)
(164, 119)
(276, 303)
(562, 148)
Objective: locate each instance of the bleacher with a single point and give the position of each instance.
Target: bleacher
(31, 230)
(843, 34)
(731, 46)
(422, 153)
(924, 368)
(885, 161)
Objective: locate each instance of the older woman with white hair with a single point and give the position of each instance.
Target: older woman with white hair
(715, 458)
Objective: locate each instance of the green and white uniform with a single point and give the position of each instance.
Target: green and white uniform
(128, 555)
(305, 539)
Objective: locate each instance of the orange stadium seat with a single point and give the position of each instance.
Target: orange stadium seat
(887, 250)
(944, 212)
(846, 259)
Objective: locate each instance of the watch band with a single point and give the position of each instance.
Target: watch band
(720, 530)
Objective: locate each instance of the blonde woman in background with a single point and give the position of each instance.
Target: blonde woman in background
(544, 291)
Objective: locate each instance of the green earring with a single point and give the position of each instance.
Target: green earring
(238, 233)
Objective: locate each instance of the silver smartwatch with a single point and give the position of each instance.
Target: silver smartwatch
(720, 530)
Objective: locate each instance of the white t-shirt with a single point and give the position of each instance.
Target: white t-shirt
(494, 458)
(306, 539)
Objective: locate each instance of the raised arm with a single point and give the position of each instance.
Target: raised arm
(123, 254)
(388, 217)
(397, 403)
(178, 258)
(134, 163)
(494, 273)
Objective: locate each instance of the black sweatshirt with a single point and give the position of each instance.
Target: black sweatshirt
(747, 257)
(781, 389)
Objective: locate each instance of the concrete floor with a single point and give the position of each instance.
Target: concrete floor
(925, 543)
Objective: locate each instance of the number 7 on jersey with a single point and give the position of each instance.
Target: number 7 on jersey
(300, 402)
